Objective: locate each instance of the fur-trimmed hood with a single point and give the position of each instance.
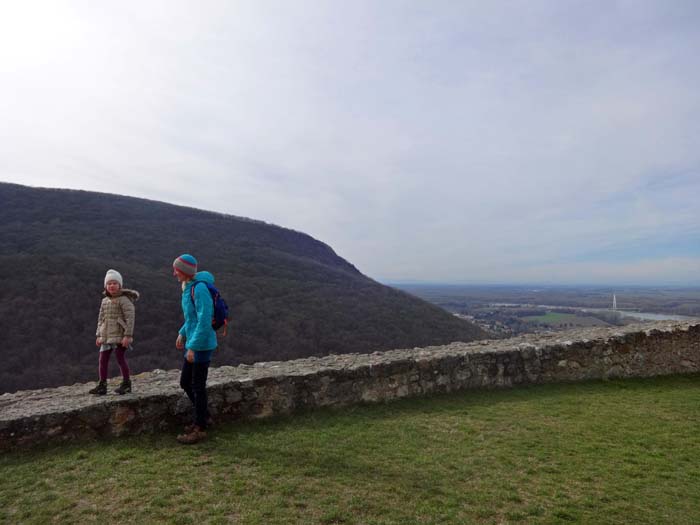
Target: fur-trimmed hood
(132, 295)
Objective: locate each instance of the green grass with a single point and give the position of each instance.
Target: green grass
(558, 319)
(600, 452)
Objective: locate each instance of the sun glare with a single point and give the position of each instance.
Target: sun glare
(34, 34)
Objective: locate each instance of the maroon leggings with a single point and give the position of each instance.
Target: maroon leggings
(121, 361)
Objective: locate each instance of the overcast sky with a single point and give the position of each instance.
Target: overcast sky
(486, 142)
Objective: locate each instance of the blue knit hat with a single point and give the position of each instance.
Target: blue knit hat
(186, 264)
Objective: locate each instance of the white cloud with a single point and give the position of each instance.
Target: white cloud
(455, 141)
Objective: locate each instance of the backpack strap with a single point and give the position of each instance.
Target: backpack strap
(192, 290)
(195, 283)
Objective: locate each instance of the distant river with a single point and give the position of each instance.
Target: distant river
(654, 317)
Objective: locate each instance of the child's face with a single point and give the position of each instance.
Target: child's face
(112, 287)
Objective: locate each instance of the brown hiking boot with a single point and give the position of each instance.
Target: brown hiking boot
(189, 428)
(195, 436)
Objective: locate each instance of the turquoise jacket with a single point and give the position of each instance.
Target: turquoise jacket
(197, 330)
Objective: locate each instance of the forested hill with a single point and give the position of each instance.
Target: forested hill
(290, 295)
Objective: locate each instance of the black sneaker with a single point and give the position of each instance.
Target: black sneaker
(100, 389)
(124, 388)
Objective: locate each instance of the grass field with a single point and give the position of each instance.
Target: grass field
(560, 319)
(599, 452)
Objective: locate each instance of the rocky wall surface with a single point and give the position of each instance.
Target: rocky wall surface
(274, 388)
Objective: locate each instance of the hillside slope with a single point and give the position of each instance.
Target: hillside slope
(290, 295)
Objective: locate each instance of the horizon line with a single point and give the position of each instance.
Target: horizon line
(418, 282)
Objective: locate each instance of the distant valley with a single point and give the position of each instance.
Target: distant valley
(505, 311)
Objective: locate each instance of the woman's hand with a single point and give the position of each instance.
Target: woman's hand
(126, 341)
(98, 341)
(180, 342)
(190, 356)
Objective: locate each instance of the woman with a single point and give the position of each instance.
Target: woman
(198, 340)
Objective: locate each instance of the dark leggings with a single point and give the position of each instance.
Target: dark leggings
(121, 361)
(193, 380)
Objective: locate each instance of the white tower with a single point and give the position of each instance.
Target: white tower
(614, 302)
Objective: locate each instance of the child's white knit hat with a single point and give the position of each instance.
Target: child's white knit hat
(114, 275)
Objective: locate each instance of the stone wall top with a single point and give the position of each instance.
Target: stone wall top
(162, 384)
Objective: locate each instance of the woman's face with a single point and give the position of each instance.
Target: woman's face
(181, 277)
(112, 287)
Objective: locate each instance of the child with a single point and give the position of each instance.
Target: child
(115, 330)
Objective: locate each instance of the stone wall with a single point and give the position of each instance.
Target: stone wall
(267, 389)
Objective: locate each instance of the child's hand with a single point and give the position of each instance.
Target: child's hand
(190, 356)
(180, 342)
(126, 341)
(98, 341)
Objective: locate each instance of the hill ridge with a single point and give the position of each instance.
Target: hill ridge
(291, 295)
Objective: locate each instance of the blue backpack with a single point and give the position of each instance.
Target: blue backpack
(220, 317)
